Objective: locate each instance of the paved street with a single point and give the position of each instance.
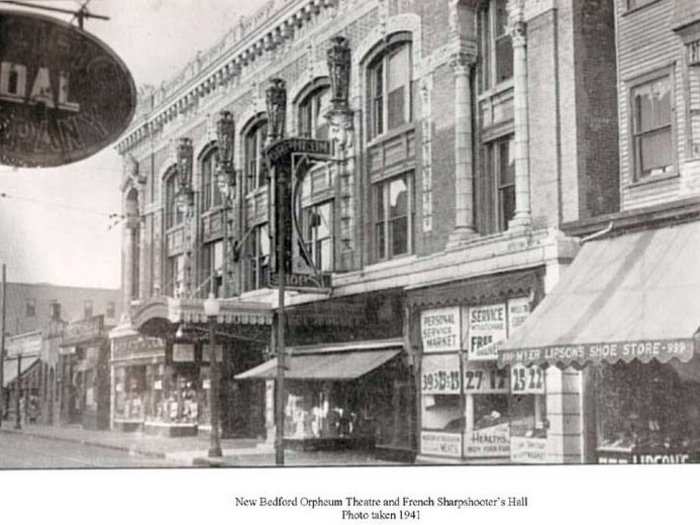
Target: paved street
(21, 451)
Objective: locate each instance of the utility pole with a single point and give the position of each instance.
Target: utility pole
(2, 346)
(18, 390)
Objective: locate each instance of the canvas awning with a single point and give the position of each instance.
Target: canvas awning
(10, 370)
(635, 296)
(330, 363)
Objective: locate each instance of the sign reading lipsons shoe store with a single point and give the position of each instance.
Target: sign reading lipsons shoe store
(64, 94)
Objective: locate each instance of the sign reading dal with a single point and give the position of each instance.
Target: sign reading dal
(64, 95)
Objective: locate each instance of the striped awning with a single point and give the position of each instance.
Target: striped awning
(635, 296)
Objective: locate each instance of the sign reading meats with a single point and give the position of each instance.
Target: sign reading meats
(64, 94)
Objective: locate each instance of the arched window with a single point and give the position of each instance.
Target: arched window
(312, 109)
(173, 215)
(255, 166)
(211, 195)
(389, 89)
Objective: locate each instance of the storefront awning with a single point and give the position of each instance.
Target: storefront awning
(636, 296)
(326, 364)
(10, 370)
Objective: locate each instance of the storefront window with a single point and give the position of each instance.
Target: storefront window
(649, 408)
(330, 410)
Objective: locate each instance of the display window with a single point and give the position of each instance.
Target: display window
(648, 412)
(329, 410)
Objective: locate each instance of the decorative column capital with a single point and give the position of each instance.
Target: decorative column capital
(461, 61)
(516, 22)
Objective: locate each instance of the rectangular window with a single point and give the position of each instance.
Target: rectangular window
(651, 128)
(30, 309)
(55, 308)
(211, 196)
(176, 275)
(495, 45)
(258, 258)
(87, 309)
(212, 267)
(393, 217)
(497, 186)
(312, 122)
(318, 235)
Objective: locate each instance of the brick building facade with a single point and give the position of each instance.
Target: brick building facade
(473, 130)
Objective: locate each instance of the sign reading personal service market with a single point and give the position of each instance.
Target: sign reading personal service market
(64, 94)
(441, 329)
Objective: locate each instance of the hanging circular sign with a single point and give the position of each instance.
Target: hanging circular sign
(64, 94)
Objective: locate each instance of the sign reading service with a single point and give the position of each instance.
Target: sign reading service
(487, 327)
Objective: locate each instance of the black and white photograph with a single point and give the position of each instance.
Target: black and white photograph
(361, 244)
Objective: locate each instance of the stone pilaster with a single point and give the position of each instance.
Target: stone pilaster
(462, 62)
(522, 217)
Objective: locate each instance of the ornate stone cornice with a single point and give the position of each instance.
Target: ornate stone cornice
(272, 26)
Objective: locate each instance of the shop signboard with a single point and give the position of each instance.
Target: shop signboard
(440, 374)
(183, 353)
(441, 444)
(528, 450)
(486, 328)
(527, 379)
(137, 347)
(488, 442)
(441, 330)
(648, 457)
(518, 311)
(644, 350)
(65, 94)
(25, 345)
(83, 331)
(481, 377)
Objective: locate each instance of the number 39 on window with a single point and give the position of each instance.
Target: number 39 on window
(526, 379)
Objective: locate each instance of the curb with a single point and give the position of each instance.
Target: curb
(79, 441)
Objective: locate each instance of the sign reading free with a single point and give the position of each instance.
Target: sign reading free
(64, 94)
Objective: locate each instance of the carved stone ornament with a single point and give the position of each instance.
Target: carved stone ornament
(339, 65)
(276, 103)
(516, 21)
(134, 171)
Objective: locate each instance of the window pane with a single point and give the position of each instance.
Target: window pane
(324, 220)
(264, 240)
(398, 198)
(380, 237)
(655, 151)
(396, 109)
(218, 256)
(325, 255)
(380, 203)
(399, 236)
(506, 161)
(653, 105)
(506, 205)
(398, 68)
(501, 21)
(504, 58)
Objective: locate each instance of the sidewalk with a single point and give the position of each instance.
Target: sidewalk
(182, 449)
(192, 451)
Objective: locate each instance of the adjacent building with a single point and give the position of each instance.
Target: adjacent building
(39, 316)
(624, 319)
(467, 134)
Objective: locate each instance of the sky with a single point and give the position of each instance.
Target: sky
(56, 225)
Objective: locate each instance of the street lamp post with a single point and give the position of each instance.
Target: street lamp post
(276, 101)
(211, 309)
